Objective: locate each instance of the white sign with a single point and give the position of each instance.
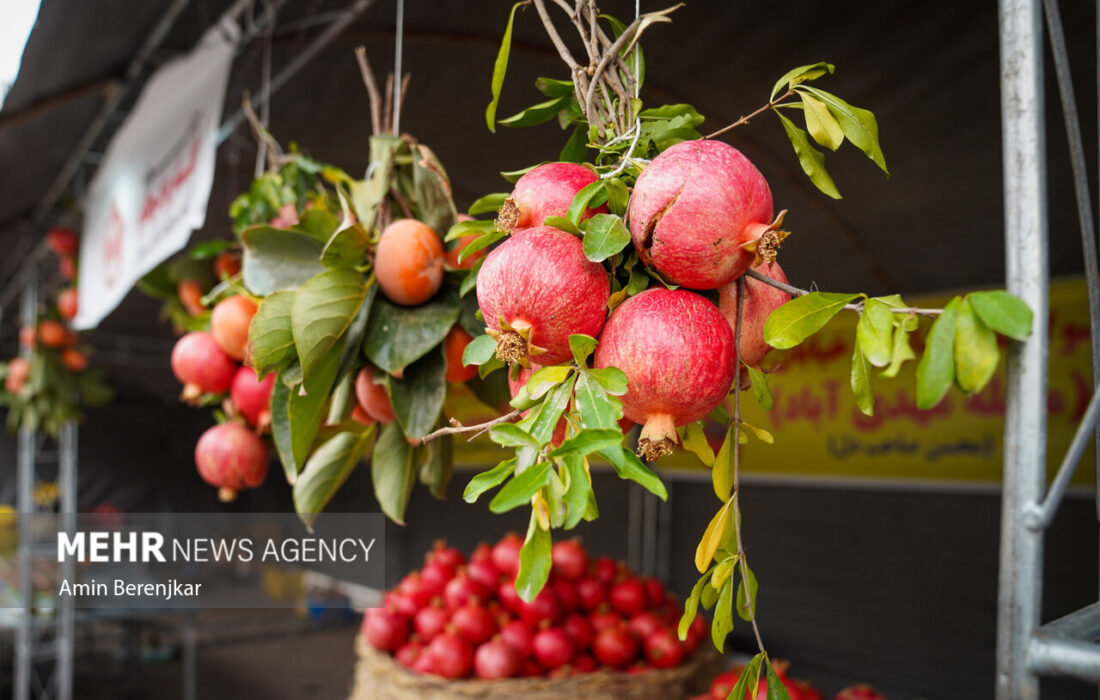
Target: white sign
(152, 189)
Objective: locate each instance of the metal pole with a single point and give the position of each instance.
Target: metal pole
(25, 508)
(66, 605)
(1027, 277)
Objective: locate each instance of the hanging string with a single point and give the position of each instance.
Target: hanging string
(637, 52)
(265, 87)
(635, 131)
(397, 81)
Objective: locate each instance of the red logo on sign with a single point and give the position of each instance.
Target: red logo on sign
(112, 246)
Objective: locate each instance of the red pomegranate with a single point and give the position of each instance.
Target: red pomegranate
(483, 571)
(67, 302)
(474, 622)
(63, 242)
(694, 210)
(506, 554)
(590, 593)
(201, 365)
(518, 635)
(579, 629)
(229, 324)
(251, 396)
(431, 621)
(385, 629)
(806, 691)
(545, 191)
(663, 649)
(408, 653)
(570, 561)
(495, 659)
(544, 607)
(535, 290)
(553, 647)
(628, 597)
(19, 368)
(861, 691)
(230, 457)
(451, 655)
(462, 589)
(615, 646)
(372, 397)
(761, 299)
(695, 370)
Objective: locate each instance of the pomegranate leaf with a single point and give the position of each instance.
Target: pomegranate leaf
(760, 388)
(588, 441)
(543, 419)
(822, 125)
(722, 624)
(326, 471)
(561, 223)
(304, 414)
(489, 204)
(437, 466)
(280, 430)
(575, 149)
(579, 205)
(618, 195)
(353, 338)
(581, 346)
(859, 125)
(392, 472)
(875, 332)
(510, 435)
(801, 74)
(209, 249)
(749, 679)
(514, 175)
(691, 606)
(551, 87)
(694, 440)
(578, 493)
(803, 316)
(480, 350)
(469, 282)
(776, 689)
(398, 336)
(534, 561)
(597, 409)
(722, 473)
(612, 379)
(628, 466)
(546, 378)
(604, 235)
(319, 223)
(761, 434)
(278, 260)
(1002, 312)
(270, 335)
(712, 537)
(811, 159)
(746, 594)
(723, 571)
(499, 68)
(936, 369)
(976, 351)
(521, 488)
(483, 241)
(347, 248)
(709, 596)
(321, 312)
(536, 114)
(431, 190)
(902, 351)
(488, 479)
(418, 396)
(861, 380)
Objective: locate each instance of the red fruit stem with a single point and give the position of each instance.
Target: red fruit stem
(857, 307)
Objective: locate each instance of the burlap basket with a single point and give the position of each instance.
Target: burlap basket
(379, 677)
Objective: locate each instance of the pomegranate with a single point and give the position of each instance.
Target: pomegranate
(66, 265)
(604, 619)
(695, 345)
(496, 659)
(435, 575)
(74, 360)
(423, 663)
(761, 299)
(52, 334)
(663, 649)
(628, 597)
(506, 554)
(462, 589)
(553, 647)
(451, 655)
(201, 365)
(566, 593)
(584, 663)
(407, 653)
(861, 691)
(545, 191)
(411, 595)
(19, 368)
(63, 242)
(229, 324)
(590, 593)
(655, 592)
(544, 607)
(474, 622)
(644, 624)
(230, 457)
(483, 571)
(190, 294)
(570, 561)
(251, 396)
(531, 669)
(385, 629)
(28, 337)
(722, 685)
(806, 691)
(605, 569)
(579, 630)
(615, 646)
(518, 635)
(431, 621)
(227, 264)
(372, 397)
(506, 591)
(535, 290)
(696, 633)
(700, 212)
(67, 303)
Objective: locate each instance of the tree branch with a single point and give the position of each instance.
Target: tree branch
(857, 307)
(749, 117)
(457, 427)
(372, 89)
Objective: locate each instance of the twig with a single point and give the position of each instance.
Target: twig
(457, 427)
(736, 447)
(857, 307)
(387, 110)
(747, 118)
(555, 38)
(372, 89)
(404, 91)
(272, 150)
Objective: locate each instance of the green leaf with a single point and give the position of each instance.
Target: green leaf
(431, 190)
(543, 419)
(901, 351)
(936, 370)
(612, 379)
(749, 680)
(859, 125)
(489, 204)
(694, 440)
(546, 378)
(746, 595)
(776, 689)
(499, 68)
(437, 466)
(821, 124)
(722, 624)
(628, 466)
(277, 260)
(319, 223)
(304, 410)
(618, 196)
(691, 606)
(579, 205)
(397, 336)
(563, 224)
(803, 316)
(209, 249)
(321, 312)
(552, 87)
(976, 351)
(761, 434)
(1002, 312)
(393, 473)
(723, 571)
(353, 337)
(760, 388)
(510, 435)
(811, 159)
(713, 535)
(575, 149)
(582, 346)
(347, 248)
(488, 479)
(534, 561)
(480, 243)
(578, 492)
(722, 474)
(801, 74)
(874, 332)
(326, 471)
(418, 396)
(480, 350)
(470, 281)
(588, 441)
(270, 335)
(861, 381)
(536, 114)
(604, 235)
(280, 429)
(521, 488)
(597, 409)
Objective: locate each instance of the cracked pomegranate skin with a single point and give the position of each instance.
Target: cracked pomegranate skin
(540, 277)
(548, 190)
(713, 200)
(677, 352)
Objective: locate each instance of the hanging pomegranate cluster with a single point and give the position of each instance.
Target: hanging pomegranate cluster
(460, 618)
(745, 680)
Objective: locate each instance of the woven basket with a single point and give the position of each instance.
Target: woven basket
(379, 677)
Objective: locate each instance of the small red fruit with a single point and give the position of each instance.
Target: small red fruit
(474, 622)
(63, 242)
(605, 569)
(483, 571)
(447, 556)
(19, 368)
(462, 589)
(230, 457)
(28, 337)
(229, 324)
(66, 265)
(506, 554)
(553, 647)
(663, 649)
(408, 262)
(545, 607)
(627, 597)
(590, 593)
(570, 561)
(861, 691)
(518, 635)
(386, 630)
(655, 592)
(190, 294)
(545, 191)
(431, 621)
(453, 346)
(761, 299)
(645, 624)
(496, 659)
(566, 593)
(579, 630)
(408, 652)
(227, 264)
(74, 360)
(584, 663)
(604, 619)
(615, 646)
(436, 575)
(67, 302)
(358, 414)
(722, 686)
(251, 396)
(201, 365)
(451, 655)
(372, 397)
(509, 599)
(52, 334)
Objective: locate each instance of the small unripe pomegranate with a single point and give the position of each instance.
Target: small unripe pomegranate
(761, 299)
(67, 303)
(535, 290)
(251, 396)
(229, 324)
(408, 262)
(372, 397)
(63, 242)
(190, 294)
(231, 457)
(676, 349)
(700, 212)
(201, 365)
(19, 368)
(74, 360)
(545, 191)
(52, 334)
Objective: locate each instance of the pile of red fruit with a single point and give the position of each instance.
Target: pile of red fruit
(722, 686)
(460, 618)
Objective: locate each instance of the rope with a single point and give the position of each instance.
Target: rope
(265, 88)
(397, 49)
